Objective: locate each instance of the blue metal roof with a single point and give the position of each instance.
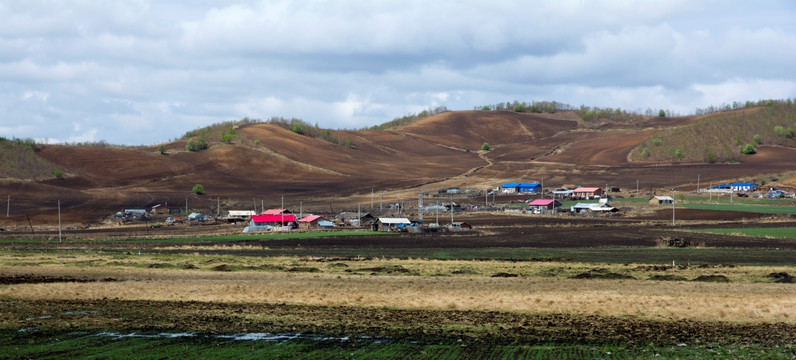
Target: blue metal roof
(512, 185)
(744, 184)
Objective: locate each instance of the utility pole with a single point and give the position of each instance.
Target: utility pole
(637, 194)
(301, 209)
(420, 205)
(218, 206)
(371, 199)
(710, 191)
(186, 206)
(697, 183)
(59, 220)
(282, 210)
(254, 201)
(359, 214)
(451, 210)
(673, 223)
(381, 201)
(8, 208)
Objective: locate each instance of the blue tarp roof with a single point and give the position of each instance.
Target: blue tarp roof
(513, 185)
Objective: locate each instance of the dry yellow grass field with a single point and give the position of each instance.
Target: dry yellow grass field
(742, 300)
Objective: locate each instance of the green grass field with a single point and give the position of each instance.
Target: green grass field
(748, 207)
(776, 232)
(23, 345)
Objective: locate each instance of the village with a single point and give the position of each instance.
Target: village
(415, 217)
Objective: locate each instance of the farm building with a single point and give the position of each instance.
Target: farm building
(391, 224)
(660, 200)
(460, 226)
(521, 188)
(541, 206)
(276, 212)
(592, 207)
(562, 193)
(744, 187)
(587, 193)
(266, 222)
(239, 215)
(314, 222)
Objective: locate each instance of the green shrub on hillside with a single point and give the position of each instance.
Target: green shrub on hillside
(749, 148)
(721, 136)
(196, 145)
(58, 174)
(485, 146)
(198, 189)
(162, 149)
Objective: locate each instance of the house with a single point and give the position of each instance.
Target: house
(314, 222)
(721, 188)
(660, 200)
(587, 193)
(744, 187)
(521, 188)
(391, 224)
(266, 222)
(592, 207)
(541, 206)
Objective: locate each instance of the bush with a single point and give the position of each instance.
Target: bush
(58, 174)
(757, 139)
(198, 189)
(485, 146)
(678, 154)
(162, 149)
(661, 113)
(748, 149)
(645, 153)
(656, 142)
(196, 145)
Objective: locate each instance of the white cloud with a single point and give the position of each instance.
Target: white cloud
(142, 72)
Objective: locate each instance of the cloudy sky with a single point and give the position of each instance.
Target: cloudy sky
(145, 72)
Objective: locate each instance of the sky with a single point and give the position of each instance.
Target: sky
(145, 72)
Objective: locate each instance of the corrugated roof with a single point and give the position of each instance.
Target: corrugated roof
(744, 184)
(309, 218)
(541, 202)
(386, 220)
(273, 218)
(274, 211)
(586, 189)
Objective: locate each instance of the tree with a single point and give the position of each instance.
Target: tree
(748, 149)
(757, 139)
(348, 142)
(198, 189)
(661, 113)
(58, 174)
(485, 146)
(162, 149)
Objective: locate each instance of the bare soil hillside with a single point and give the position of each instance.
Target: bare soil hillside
(268, 161)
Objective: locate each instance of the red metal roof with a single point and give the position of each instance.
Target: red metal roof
(541, 202)
(586, 190)
(273, 218)
(309, 218)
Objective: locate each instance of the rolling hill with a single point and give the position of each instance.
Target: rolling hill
(266, 161)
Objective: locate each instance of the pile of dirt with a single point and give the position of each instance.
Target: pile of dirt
(304, 269)
(601, 274)
(504, 275)
(39, 279)
(667, 278)
(712, 278)
(382, 269)
(781, 277)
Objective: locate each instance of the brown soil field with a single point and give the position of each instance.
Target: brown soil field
(427, 155)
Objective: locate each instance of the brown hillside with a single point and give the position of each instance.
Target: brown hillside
(428, 154)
